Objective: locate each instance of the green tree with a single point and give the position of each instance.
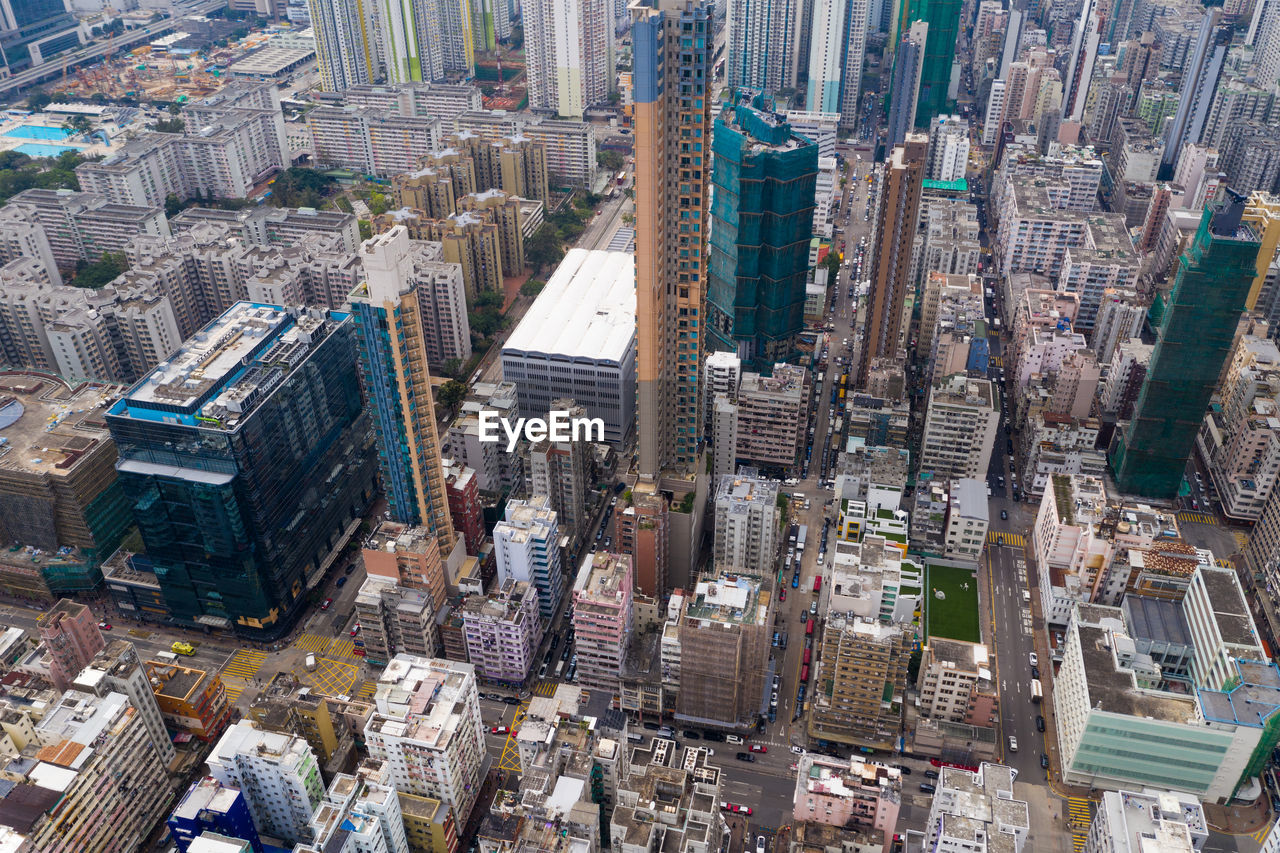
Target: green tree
(172, 205)
(366, 229)
(532, 287)
(452, 367)
(452, 393)
(832, 263)
(611, 160)
(378, 204)
(169, 125)
(38, 101)
(102, 271)
(782, 502)
(543, 249)
(298, 186)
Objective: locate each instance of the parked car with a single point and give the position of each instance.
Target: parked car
(746, 756)
(927, 788)
(1044, 761)
(931, 774)
(326, 604)
(1039, 723)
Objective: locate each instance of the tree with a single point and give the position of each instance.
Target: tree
(298, 186)
(611, 160)
(102, 271)
(782, 502)
(172, 205)
(452, 393)
(169, 125)
(38, 102)
(543, 249)
(832, 263)
(366, 229)
(174, 109)
(532, 287)
(78, 124)
(378, 204)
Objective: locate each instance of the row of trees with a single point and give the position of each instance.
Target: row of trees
(547, 245)
(19, 172)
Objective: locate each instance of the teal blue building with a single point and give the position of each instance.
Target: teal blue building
(763, 180)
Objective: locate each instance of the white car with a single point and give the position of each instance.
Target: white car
(1034, 658)
(798, 750)
(1013, 743)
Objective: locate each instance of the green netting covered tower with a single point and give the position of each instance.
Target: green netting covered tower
(764, 177)
(943, 18)
(1197, 328)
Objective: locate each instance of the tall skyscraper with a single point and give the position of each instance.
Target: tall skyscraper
(836, 54)
(244, 456)
(1195, 97)
(765, 176)
(568, 54)
(1084, 52)
(908, 63)
(891, 251)
(1196, 333)
(393, 363)
(673, 43)
(346, 43)
(425, 39)
(759, 43)
(943, 18)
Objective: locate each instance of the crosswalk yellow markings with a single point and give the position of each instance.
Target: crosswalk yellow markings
(1078, 842)
(1013, 540)
(233, 692)
(1079, 812)
(510, 759)
(545, 688)
(244, 664)
(332, 646)
(1197, 517)
(312, 643)
(367, 690)
(1261, 835)
(341, 648)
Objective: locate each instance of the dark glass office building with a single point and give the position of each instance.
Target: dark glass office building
(246, 456)
(33, 31)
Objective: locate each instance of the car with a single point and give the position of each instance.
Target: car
(1034, 658)
(341, 582)
(1004, 515)
(691, 734)
(758, 747)
(931, 774)
(1013, 743)
(358, 652)
(355, 629)
(104, 626)
(717, 737)
(903, 769)
(927, 788)
(326, 604)
(813, 608)
(1039, 723)
(782, 596)
(746, 756)
(759, 844)
(1035, 672)
(1044, 761)
(797, 750)
(493, 697)
(181, 648)
(499, 730)
(351, 567)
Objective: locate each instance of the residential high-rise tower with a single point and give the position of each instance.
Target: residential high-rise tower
(346, 43)
(673, 43)
(568, 54)
(836, 54)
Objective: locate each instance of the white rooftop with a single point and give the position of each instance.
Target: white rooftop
(586, 310)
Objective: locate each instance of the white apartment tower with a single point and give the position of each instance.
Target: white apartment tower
(527, 547)
(568, 54)
(277, 774)
(746, 519)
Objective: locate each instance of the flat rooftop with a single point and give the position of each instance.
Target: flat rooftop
(220, 374)
(1115, 691)
(1229, 608)
(48, 427)
(586, 311)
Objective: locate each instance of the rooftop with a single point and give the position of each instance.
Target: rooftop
(730, 598)
(1229, 608)
(586, 311)
(1113, 689)
(421, 699)
(220, 374)
(48, 426)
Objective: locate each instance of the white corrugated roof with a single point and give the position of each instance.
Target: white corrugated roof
(586, 310)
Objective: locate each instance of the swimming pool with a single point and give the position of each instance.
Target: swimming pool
(37, 131)
(41, 149)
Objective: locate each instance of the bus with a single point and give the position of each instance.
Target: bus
(622, 178)
(804, 674)
(1037, 692)
(808, 628)
(808, 655)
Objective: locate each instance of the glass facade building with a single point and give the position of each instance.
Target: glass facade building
(246, 457)
(1197, 328)
(762, 221)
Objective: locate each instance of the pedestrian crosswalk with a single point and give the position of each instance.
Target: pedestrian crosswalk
(312, 643)
(367, 690)
(1000, 537)
(1197, 517)
(1079, 816)
(233, 691)
(339, 647)
(244, 664)
(545, 688)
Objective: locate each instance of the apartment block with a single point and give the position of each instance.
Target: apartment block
(360, 813)
(570, 146)
(370, 140)
(1034, 233)
(946, 240)
(725, 618)
(118, 668)
(191, 700)
(772, 416)
(561, 470)
(277, 774)
(20, 237)
(643, 532)
(1128, 821)
(70, 638)
(416, 98)
(465, 508)
(873, 579)
(746, 523)
(527, 545)
(276, 226)
(603, 619)
(1107, 261)
(957, 683)
(83, 739)
(427, 728)
(866, 663)
(965, 528)
(210, 807)
(82, 226)
(976, 811)
(959, 427)
(503, 632)
(854, 794)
